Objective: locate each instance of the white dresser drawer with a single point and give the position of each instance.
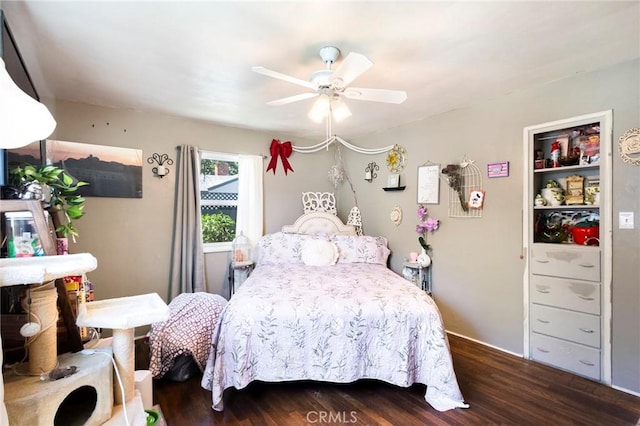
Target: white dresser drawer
(558, 260)
(569, 356)
(569, 325)
(576, 295)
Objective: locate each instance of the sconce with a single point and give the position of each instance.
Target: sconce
(160, 170)
(370, 172)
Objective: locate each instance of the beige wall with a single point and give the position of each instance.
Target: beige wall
(131, 237)
(477, 267)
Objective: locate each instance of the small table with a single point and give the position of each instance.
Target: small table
(238, 273)
(419, 275)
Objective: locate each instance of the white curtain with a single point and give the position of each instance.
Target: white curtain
(187, 256)
(249, 216)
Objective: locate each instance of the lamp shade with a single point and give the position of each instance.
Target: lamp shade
(320, 109)
(339, 109)
(22, 119)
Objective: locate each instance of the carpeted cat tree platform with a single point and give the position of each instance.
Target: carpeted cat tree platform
(74, 388)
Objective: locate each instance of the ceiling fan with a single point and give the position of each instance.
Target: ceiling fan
(331, 85)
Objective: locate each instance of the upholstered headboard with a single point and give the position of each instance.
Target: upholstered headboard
(319, 223)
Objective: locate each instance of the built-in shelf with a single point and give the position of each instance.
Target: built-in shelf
(567, 168)
(569, 207)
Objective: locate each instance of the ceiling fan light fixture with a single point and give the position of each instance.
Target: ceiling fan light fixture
(320, 109)
(339, 109)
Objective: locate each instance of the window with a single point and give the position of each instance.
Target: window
(229, 186)
(218, 199)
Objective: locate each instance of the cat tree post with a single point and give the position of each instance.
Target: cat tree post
(122, 315)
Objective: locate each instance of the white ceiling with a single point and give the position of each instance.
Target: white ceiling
(194, 59)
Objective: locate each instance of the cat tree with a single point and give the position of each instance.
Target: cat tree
(89, 391)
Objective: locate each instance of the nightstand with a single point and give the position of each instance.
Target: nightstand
(238, 273)
(419, 275)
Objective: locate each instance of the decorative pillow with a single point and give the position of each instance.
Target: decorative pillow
(319, 253)
(362, 249)
(281, 247)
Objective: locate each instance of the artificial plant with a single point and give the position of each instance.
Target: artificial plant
(58, 191)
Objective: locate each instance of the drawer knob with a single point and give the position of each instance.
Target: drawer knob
(586, 330)
(589, 363)
(544, 350)
(541, 290)
(542, 261)
(587, 265)
(585, 297)
(543, 321)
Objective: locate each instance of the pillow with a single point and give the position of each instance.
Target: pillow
(319, 253)
(281, 247)
(362, 249)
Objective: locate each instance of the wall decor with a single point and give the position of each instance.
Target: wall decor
(393, 180)
(462, 178)
(396, 215)
(429, 184)
(111, 171)
(370, 171)
(31, 154)
(476, 199)
(162, 161)
(629, 146)
(319, 202)
(282, 150)
(397, 159)
(500, 169)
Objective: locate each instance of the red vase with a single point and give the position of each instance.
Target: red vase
(586, 236)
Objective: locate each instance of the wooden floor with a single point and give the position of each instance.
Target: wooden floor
(502, 390)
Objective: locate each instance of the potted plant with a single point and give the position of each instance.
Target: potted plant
(56, 188)
(587, 231)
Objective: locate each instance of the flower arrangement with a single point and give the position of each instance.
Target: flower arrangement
(425, 225)
(455, 181)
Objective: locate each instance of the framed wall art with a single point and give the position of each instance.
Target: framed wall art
(500, 169)
(429, 184)
(393, 180)
(110, 171)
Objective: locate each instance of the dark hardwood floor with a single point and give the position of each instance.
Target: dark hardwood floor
(502, 390)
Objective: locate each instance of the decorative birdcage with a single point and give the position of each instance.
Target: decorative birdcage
(241, 250)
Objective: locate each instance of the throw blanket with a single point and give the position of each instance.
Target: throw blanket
(193, 318)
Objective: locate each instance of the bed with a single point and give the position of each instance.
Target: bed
(322, 305)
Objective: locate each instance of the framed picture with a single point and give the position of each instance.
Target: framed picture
(476, 199)
(429, 184)
(500, 169)
(110, 171)
(393, 181)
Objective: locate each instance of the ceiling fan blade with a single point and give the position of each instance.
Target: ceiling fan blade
(375, 95)
(291, 99)
(350, 69)
(275, 74)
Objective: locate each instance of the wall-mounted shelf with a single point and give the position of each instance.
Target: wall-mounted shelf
(397, 188)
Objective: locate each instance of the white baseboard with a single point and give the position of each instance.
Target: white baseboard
(519, 355)
(626, 391)
(621, 389)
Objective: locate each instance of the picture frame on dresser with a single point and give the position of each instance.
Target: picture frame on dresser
(567, 285)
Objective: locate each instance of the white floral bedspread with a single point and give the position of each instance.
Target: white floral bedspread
(335, 323)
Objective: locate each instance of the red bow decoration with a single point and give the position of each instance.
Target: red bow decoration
(284, 150)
